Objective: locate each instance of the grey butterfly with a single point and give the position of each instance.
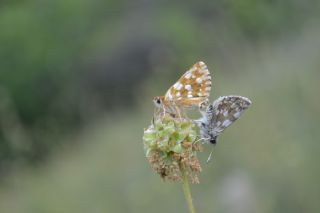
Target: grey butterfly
(216, 117)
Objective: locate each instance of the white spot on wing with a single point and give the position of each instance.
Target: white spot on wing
(237, 114)
(188, 87)
(178, 86)
(190, 96)
(225, 113)
(188, 75)
(204, 70)
(226, 123)
(217, 130)
(178, 94)
(199, 80)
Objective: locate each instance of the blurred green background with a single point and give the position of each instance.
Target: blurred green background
(76, 83)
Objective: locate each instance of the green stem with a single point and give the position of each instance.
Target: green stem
(186, 189)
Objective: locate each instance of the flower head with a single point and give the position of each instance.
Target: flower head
(171, 145)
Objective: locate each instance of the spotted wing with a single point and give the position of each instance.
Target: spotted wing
(192, 88)
(226, 110)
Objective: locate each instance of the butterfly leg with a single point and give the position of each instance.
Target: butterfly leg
(200, 139)
(156, 113)
(179, 111)
(164, 110)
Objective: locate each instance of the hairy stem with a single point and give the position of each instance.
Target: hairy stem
(186, 189)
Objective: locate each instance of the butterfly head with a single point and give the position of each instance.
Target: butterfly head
(213, 139)
(158, 101)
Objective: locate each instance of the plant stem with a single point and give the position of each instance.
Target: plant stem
(186, 189)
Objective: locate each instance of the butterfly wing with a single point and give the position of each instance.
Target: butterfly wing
(226, 110)
(192, 88)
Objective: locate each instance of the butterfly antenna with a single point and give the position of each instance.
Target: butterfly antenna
(210, 155)
(178, 111)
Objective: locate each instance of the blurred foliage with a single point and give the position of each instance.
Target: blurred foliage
(77, 77)
(62, 61)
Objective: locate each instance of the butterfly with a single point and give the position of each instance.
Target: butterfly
(192, 88)
(216, 117)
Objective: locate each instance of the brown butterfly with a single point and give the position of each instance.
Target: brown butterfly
(190, 90)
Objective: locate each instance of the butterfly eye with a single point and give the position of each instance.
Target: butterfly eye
(213, 140)
(157, 101)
